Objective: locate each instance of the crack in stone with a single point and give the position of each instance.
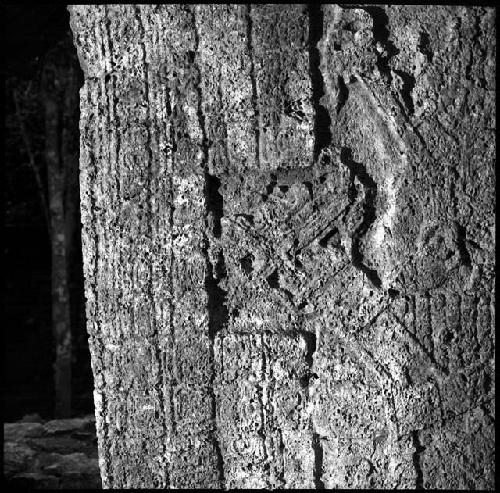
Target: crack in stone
(419, 483)
(381, 36)
(318, 462)
(343, 94)
(369, 215)
(216, 303)
(270, 187)
(322, 139)
(322, 120)
(425, 46)
(408, 85)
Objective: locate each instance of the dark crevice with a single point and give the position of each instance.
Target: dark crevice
(369, 213)
(298, 263)
(477, 29)
(406, 373)
(487, 413)
(220, 267)
(272, 279)
(408, 85)
(331, 238)
(190, 56)
(462, 247)
(343, 94)
(310, 189)
(217, 310)
(288, 294)
(310, 340)
(393, 293)
(248, 217)
(292, 112)
(305, 380)
(218, 315)
(486, 383)
(302, 305)
(381, 36)
(215, 202)
(318, 462)
(218, 452)
(322, 121)
(425, 46)
(419, 484)
(270, 187)
(281, 471)
(246, 263)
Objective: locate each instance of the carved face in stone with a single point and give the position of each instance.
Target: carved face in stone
(286, 245)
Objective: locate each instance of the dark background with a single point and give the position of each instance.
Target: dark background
(30, 33)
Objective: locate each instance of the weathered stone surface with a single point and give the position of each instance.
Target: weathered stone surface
(288, 234)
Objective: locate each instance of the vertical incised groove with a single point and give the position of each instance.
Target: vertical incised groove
(216, 302)
(318, 462)
(419, 482)
(343, 94)
(149, 216)
(381, 34)
(322, 120)
(322, 139)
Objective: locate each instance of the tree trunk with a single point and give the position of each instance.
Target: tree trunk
(60, 89)
(288, 237)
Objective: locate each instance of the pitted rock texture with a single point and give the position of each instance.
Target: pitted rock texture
(288, 234)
